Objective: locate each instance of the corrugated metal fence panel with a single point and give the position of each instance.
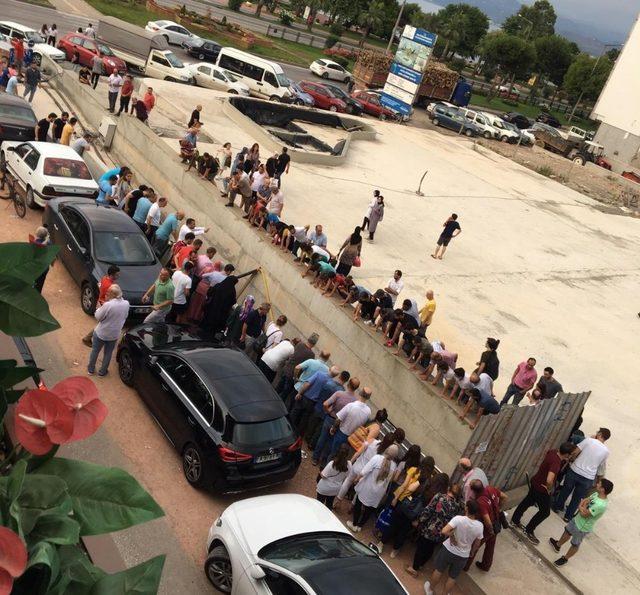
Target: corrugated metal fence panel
(512, 444)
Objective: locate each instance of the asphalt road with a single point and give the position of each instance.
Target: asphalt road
(35, 16)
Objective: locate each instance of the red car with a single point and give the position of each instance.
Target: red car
(87, 48)
(322, 97)
(372, 106)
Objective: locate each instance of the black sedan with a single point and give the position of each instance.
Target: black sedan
(17, 120)
(522, 122)
(214, 405)
(92, 237)
(548, 119)
(203, 49)
(353, 105)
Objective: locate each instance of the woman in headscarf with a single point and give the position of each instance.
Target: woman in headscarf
(376, 215)
(348, 252)
(221, 298)
(372, 485)
(254, 156)
(237, 318)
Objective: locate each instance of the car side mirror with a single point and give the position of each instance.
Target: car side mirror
(374, 548)
(256, 573)
(152, 360)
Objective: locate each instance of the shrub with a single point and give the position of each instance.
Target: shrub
(336, 29)
(457, 64)
(235, 5)
(331, 41)
(285, 18)
(546, 171)
(341, 60)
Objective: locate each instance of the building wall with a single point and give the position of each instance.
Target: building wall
(622, 147)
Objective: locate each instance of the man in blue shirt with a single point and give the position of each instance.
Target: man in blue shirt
(307, 396)
(335, 383)
(167, 228)
(106, 187)
(302, 372)
(317, 237)
(142, 210)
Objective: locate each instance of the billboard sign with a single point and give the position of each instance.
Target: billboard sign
(407, 68)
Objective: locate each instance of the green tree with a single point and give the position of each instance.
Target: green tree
(554, 56)
(613, 54)
(586, 77)
(514, 56)
(373, 17)
(462, 27)
(531, 22)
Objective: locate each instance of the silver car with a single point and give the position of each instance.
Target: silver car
(174, 34)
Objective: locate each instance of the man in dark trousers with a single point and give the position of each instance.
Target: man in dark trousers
(451, 230)
(58, 125)
(195, 117)
(42, 128)
(541, 488)
(282, 167)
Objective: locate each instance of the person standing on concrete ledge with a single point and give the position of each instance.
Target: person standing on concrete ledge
(522, 380)
(451, 230)
(590, 510)
(125, 94)
(149, 99)
(32, 78)
(115, 82)
(283, 164)
(96, 70)
(195, 117)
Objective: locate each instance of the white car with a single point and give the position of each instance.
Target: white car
(48, 170)
(327, 69)
(507, 133)
(174, 34)
(27, 34)
(288, 543)
(214, 77)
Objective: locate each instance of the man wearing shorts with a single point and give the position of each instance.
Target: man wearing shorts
(451, 230)
(590, 510)
(464, 536)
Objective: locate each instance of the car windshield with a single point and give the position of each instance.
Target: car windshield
(196, 42)
(509, 126)
(283, 81)
(34, 36)
(261, 433)
(104, 50)
(173, 60)
(338, 92)
(128, 248)
(17, 112)
(230, 76)
(66, 168)
(301, 552)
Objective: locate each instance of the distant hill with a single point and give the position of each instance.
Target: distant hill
(590, 37)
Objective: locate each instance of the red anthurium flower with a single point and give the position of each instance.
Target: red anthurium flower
(42, 420)
(13, 559)
(81, 396)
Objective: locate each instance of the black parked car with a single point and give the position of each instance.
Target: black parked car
(353, 105)
(519, 120)
(547, 118)
(92, 237)
(215, 406)
(203, 49)
(17, 120)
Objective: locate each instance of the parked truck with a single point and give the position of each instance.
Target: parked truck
(576, 150)
(142, 50)
(438, 82)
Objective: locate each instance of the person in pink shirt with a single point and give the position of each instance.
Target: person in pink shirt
(523, 379)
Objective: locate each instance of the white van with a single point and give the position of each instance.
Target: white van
(506, 135)
(264, 78)
(488, 131)
(27, 34)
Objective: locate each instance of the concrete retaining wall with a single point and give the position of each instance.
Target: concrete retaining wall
(428, 419)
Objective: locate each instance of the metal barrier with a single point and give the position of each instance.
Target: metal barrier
(513, 443)
(316, 41)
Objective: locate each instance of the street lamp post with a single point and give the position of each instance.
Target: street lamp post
(393, 32)
(575, 105)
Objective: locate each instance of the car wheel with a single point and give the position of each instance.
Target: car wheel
(31, 200)
(504, 139)
(126, 369)
(274, 98)
(37, 58)
(468, 132)
(166, 37)
(232, 92)
(299, 102)
(218, 569)
(333, 108)
(487, 135)
(382, 116)
(88, 298)
(347, 80)
(200, 57)
(193, 465)
(579, 160)
(324, 75)
(436, 122)
(170, 79)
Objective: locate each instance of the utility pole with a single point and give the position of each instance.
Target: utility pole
(396, 25)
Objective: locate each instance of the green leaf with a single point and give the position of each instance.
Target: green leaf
(77, 573)
(42, 570)
(11, 376)
(35, 461)
(16, 480)
(25, 261)
(143, 579)
(55, 528)
(23, 311)
(105, 499)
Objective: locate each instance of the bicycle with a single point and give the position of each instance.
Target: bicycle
(15, 197)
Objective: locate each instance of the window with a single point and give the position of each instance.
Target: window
(261, 433)
(90, 45)
(22, 150)
(160, 60)
(173, 60)
(76, 40)
(77, 225)
(254, 72)
(279, 584)
(231, 64)
(17, 34)
(336, 67)
(270, 78)
(219, 76)
(283, 81)
(190, 384)
(104, 50)
(66, 168)
(32, 159)
(205, 70)
(173, 28)
(182, 30)
(34, 36)
(5, 30)
(122, 248)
